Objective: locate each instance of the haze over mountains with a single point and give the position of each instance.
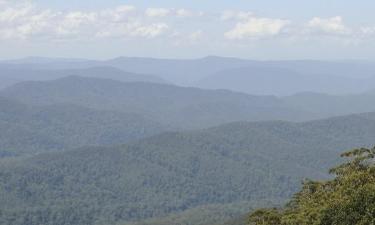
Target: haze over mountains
(283, 81)
(182, 107)
(125, 141)
(10, 75)
(172, 105)
(31, 129)
(329, 105)
(172, 172)
(249, 76)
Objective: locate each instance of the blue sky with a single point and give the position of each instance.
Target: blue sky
(358, 10)
(257, 29)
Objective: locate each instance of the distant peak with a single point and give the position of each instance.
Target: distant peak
(73, 77)
(42, 60)
(214, 57)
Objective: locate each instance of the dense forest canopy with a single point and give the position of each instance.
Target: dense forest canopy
(348, 199)
(84, 142)
(223, 171)
(27, 130)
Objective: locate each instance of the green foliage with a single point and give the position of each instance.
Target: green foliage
(29, 130)
(195, 174)
(204, 215)
(348, 199)
(329, 105)
(172, 105)
(175, 172)
(265, 216)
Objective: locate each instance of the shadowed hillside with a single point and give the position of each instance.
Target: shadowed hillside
(168, 104)
(255, 162)
(288, 76)
(12, 74)
(30, 129)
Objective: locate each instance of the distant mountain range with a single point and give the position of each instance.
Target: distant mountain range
(39, 116)
(10, 75)
(185, 108)
(329, 105)
(283, 81)
(174, 106)
(256, 162)
(84, 142)
(249, 76)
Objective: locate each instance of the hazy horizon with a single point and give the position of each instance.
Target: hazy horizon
(57, 57)
(187, 112)
(261, 30)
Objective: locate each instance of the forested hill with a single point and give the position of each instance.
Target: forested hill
(334, 77)
(187, 108)
(12, 74)
(256, 163)
(168, 104)
(258, 79)
(328, 105)
(31, 129)
(348, 199)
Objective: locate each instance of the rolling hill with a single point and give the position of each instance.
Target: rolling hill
(268, 80)
(332, 77)
(171, 105)
(254, 162)
(332, 105)
(28, 129)
(12, 74)
(182, 107)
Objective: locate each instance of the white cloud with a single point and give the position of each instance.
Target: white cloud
(257, 28)
(125, 9)
(157, 12)
(184, 13)
(180, 13)
(133, 29)
(25, 21)
(119, 14)
(75, 23)
(77, 19)
(150, 31)
(196, 35)
(334, 25)
(236, 15)
(367, 31)
(15, 13)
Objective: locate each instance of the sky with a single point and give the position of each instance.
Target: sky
(253, 29)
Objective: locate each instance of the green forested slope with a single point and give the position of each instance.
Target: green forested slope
(172, 105)
(214, 214)
(185, 107)
(11, 74)
(332, 105)
(174, 172)
(28, 129)
(348, 199)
